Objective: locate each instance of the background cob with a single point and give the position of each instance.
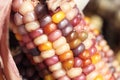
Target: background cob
(63, 25)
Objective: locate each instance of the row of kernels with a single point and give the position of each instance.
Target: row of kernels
(54, 34)
(100, 72)
(62, 49)
(74, 43)
(37, 36)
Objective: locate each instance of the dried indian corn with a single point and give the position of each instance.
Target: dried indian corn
(60, 43)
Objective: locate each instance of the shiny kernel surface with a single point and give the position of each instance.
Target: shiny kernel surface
(45, 46)
(68, 64)
(99, 77)
(62, 24)
(73, 35)
(85, 55)
(87, 62)
(78, 50)
(96, 58)
(83, 35)
(49, 28)
(56, 18)
(74, 43)
(65, 56)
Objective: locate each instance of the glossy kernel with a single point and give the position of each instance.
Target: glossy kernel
(78, 62)
(88, 69)
(68, 64)
(83, 35)
(87, 62)
(62, 24)
(31, 26)
(45, 20)
(74, 72)
(73, 35)
(65, 56)
(85, 55)
(40, 39)
(59, 73)
(62, 49)
(47, 54)
(45, 46)
(99, 77)
(75, 21)
(58, 17)
(49, 28)
(78, 50)
(96, 58)
(59, 42)
(52, 60)
(41, 10)
(67, 30)
(36, 33)
(74, 43)
(49, 77)
(54, 35)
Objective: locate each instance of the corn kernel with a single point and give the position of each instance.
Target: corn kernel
(49, 77)
(45, 46)
(96, 58)
(58, 17)
(99, 77)
(18, 37)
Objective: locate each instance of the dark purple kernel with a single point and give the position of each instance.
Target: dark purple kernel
(41, 66)
(63, 24)
(18, 58)
(41, 10)
(79, 49)
(45, 20)
(67, 30)
(34, 52)
(30, 71)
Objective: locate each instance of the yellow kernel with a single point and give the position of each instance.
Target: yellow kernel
(96, 31)
(96, 58)
(88, 20)
(45, 46)
(99, 77)
(57, 17)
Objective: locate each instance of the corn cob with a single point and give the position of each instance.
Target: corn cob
(57, 37)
